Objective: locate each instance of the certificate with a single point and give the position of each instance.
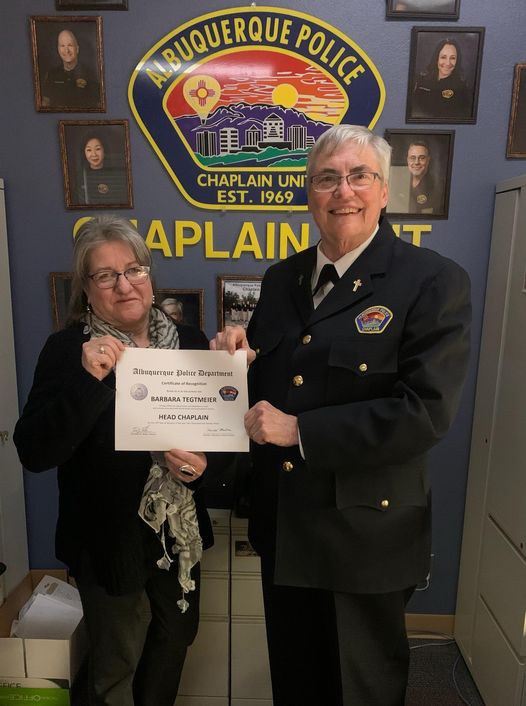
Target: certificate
(174, 399)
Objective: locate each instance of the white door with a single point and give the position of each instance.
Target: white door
(13, 533)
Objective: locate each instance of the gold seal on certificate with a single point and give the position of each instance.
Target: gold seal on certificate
(191, 400)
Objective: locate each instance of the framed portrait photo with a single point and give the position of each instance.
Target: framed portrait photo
(420, 174)
(68, 67)
(96, 163)
(423, 9)
(184, 306)
(237, 296)
(516, 148)
(91, 4)
(60, 286)
(444, 74)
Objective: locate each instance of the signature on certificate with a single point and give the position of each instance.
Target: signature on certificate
(142, 431)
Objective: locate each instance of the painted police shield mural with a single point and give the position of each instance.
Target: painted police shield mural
(232, 101)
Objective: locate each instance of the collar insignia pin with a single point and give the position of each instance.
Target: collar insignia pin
(357, 283)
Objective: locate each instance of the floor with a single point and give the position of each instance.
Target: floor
(438, 676)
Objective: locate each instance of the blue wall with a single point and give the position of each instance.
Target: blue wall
(40, 228)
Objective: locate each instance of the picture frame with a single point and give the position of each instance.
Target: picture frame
(60, 288)
(91, 4)
(444, 74)
(184, 306)
(68, 64)
(237, 296)
(423, 9)
(516, 145)
(420, 174)
(96, 164)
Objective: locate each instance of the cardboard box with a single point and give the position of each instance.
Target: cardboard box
(27, 658)
(52, 693)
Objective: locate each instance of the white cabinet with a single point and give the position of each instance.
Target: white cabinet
(228, 663)
(13, 537)
(249, 665)
(205, 678)
(491, 605)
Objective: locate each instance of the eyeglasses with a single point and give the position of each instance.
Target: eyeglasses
(358, 181)
(419, 158)
(107, 279)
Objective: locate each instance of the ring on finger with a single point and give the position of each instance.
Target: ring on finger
(187, 469)
(102, 350)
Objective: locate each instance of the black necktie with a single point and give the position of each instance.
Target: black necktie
(328, 274)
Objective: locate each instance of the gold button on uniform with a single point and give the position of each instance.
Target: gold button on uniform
(362, 367)
(306, 339)
(287, 466)
(385, 503)
(297, 380)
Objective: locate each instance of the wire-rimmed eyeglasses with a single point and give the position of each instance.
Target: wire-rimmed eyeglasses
(107, 279)
(357, 181)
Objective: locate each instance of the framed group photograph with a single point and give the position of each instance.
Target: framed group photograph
(60, 286)
(91, 4)
(516, 147)
(96, 163)
(444, 74)
(237, 296)
(184, 306)
(420, 174)
(423, 9)
(68, 67)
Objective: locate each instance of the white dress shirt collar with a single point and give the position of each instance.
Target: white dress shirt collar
(341, 265)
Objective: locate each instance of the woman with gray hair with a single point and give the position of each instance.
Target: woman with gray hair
(111, 529)
(363, 344)
(338, 136)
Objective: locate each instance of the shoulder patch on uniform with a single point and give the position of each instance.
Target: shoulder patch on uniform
(374, 319)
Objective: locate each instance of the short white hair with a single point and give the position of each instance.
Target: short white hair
(338, 135)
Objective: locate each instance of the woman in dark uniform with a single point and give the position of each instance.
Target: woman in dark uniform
(440, 91)
(101, 180)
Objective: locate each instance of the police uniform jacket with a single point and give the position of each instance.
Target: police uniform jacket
(102, 186)
(440, 99)
(425, 197)
(373, 376)
(71, 89)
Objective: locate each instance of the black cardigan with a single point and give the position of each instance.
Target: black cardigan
(68, 422)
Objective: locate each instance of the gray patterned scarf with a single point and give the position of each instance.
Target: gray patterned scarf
(165, 500)
(162, 330)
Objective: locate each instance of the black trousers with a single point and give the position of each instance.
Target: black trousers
(135, 660)
(335, 649)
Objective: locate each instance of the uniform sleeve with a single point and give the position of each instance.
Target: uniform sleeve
(64, 405)
(432, 363)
